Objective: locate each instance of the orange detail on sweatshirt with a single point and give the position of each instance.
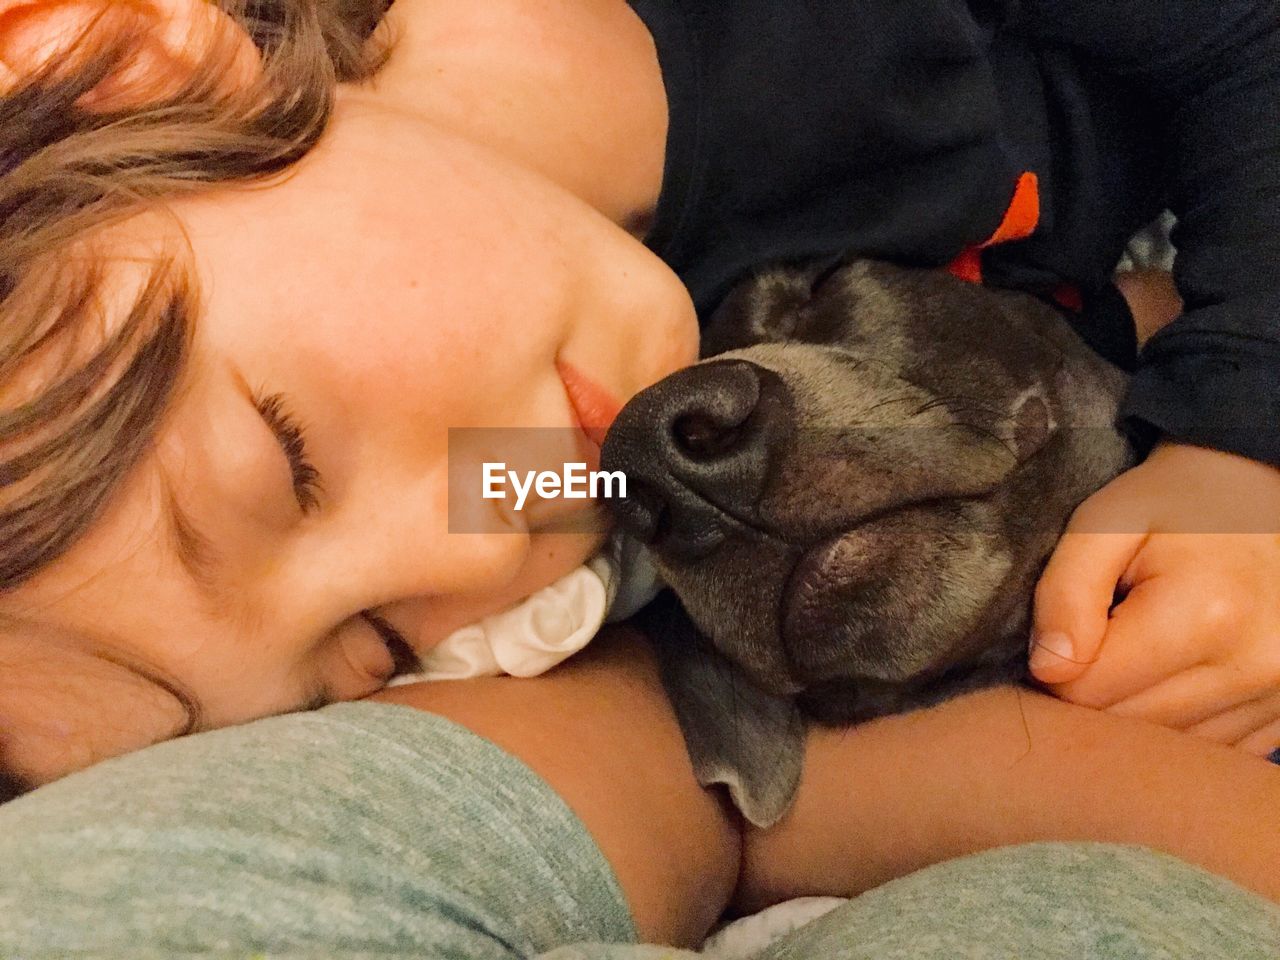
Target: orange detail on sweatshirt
(1019, 222)
(1068, 295)
(967, 266)
(1023, 215)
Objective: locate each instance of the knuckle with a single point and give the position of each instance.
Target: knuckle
(1223, 610)
(1083, 515)
(1104, 512)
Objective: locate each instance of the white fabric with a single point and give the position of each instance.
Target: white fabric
(747, 936)
(549, 626)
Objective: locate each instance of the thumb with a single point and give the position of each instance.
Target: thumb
(1073, 599)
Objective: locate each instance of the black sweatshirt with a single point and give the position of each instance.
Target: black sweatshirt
(899, 128)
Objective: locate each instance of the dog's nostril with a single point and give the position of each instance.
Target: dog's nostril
(701, 436)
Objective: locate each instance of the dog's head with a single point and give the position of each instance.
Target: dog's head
(854, 497)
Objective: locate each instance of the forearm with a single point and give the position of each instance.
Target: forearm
(600, 731)
(1005, 767)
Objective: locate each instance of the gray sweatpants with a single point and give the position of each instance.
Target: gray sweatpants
(378, 830)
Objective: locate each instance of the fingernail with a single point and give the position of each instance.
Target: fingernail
(1050, 649)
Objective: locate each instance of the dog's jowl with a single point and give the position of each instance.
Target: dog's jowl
(853, 498)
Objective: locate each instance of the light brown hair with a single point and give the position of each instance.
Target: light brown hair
(65, 171)
(78, 406)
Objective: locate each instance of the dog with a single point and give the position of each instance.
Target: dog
(853, 497)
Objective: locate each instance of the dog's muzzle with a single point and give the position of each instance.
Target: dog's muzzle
(696, 452)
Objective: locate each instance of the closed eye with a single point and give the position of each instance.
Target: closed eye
(406, 660)
(288, 433)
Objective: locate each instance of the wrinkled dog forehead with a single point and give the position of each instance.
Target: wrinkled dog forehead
(946, 336)
(845, 387)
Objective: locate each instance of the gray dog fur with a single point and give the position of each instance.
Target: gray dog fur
(853, 500)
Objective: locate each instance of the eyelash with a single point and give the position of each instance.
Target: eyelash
(306, 478)
(405, 659)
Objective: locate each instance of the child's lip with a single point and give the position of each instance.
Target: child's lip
(595, 407)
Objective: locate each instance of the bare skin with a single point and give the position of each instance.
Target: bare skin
(1153, 300)
(1005, 767)
(1002, 767)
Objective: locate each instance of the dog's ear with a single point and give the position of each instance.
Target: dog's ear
(737, 736)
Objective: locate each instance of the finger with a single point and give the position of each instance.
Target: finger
(1263, 741)
(1073, 599)
(1152, 636)
(1239, 722)
(1191, 697)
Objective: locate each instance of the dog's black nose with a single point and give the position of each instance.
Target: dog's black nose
(695, 450)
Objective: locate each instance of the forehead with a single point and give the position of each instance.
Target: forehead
(382, 180)
(387, 219)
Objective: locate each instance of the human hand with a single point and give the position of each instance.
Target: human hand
(1162, 600)
(1153, 300)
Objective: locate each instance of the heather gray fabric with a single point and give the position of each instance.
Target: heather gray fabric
(368, 830)
(1034, 902)
(1048, 902)
(360, 827)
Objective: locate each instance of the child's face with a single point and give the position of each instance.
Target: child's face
(400, 282)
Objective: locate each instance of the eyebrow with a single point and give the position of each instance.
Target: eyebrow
(195, 550)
